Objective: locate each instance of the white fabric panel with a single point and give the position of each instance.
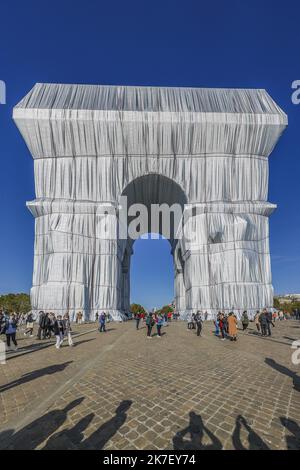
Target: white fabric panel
(214, 178)
(206, 149)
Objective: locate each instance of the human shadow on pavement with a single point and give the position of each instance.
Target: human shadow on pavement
(290, 338)
(106, 431)
(286, 371)
(195, 430)
(254, 332)
(35, 433)
(254, 440)
(73, 438)
(77, 343)
(292, 440)
(36, 374)
(36, 347)
(69, 438)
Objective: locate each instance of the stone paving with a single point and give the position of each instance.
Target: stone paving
(120, 390)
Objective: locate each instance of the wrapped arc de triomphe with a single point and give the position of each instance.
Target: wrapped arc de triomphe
(204, 149)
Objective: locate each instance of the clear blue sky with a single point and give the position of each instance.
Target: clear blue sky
(245, 44)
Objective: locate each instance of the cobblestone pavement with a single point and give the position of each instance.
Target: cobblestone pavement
(120, 390)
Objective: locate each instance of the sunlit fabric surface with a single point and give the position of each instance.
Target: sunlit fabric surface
(204, 149)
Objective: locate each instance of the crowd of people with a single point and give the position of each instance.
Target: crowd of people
(49, 324)
(155, 320)
(226, 324)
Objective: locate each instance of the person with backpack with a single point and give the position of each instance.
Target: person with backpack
(245, 320)
(10, 329)
(149, 323)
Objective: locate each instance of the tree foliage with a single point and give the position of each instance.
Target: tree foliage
(19, 303)
(166, 309)
(137, 308)
(288, 306)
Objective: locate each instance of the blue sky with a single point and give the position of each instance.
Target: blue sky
(243, 44)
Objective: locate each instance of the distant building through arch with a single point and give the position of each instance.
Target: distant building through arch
(204, 149)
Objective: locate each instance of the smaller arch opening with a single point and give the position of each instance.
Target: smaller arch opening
(151, 273)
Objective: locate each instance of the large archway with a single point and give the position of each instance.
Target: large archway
(91, 144)
(164, 202)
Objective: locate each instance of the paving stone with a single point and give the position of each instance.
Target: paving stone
(120, 391)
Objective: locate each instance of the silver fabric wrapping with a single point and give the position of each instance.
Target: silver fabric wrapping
(206, 149)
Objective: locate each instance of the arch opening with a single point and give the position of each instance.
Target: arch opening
(155, 206)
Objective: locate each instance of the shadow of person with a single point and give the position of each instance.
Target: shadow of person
(6, 435)
(254, 440)
(254, 332)
(101, 436)
(286, 371)
(77, 343)
(69, 438)
(292, 441)
(196, 430)
(35, 433)
(35, 375)
(289, 337)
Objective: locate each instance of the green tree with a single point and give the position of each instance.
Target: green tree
(166, 309)
(137, 308)
(19, 303)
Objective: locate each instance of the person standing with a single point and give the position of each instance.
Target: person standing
(217, 326)
(102, 320)
(281, 315)
(59, 330)
(47, 326)
(269, 322)
(68, 329)
(79, 318)
(245, 320)
(149, 323)
(198, 321)
(137, 319)
(41, 324)
(256, 321)
(225, 321)
(222, 326)
(10, 330)
(29, 325)
(232, 326)
(191, 322)
(159, 324)
(263, 320)
(2, 319)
